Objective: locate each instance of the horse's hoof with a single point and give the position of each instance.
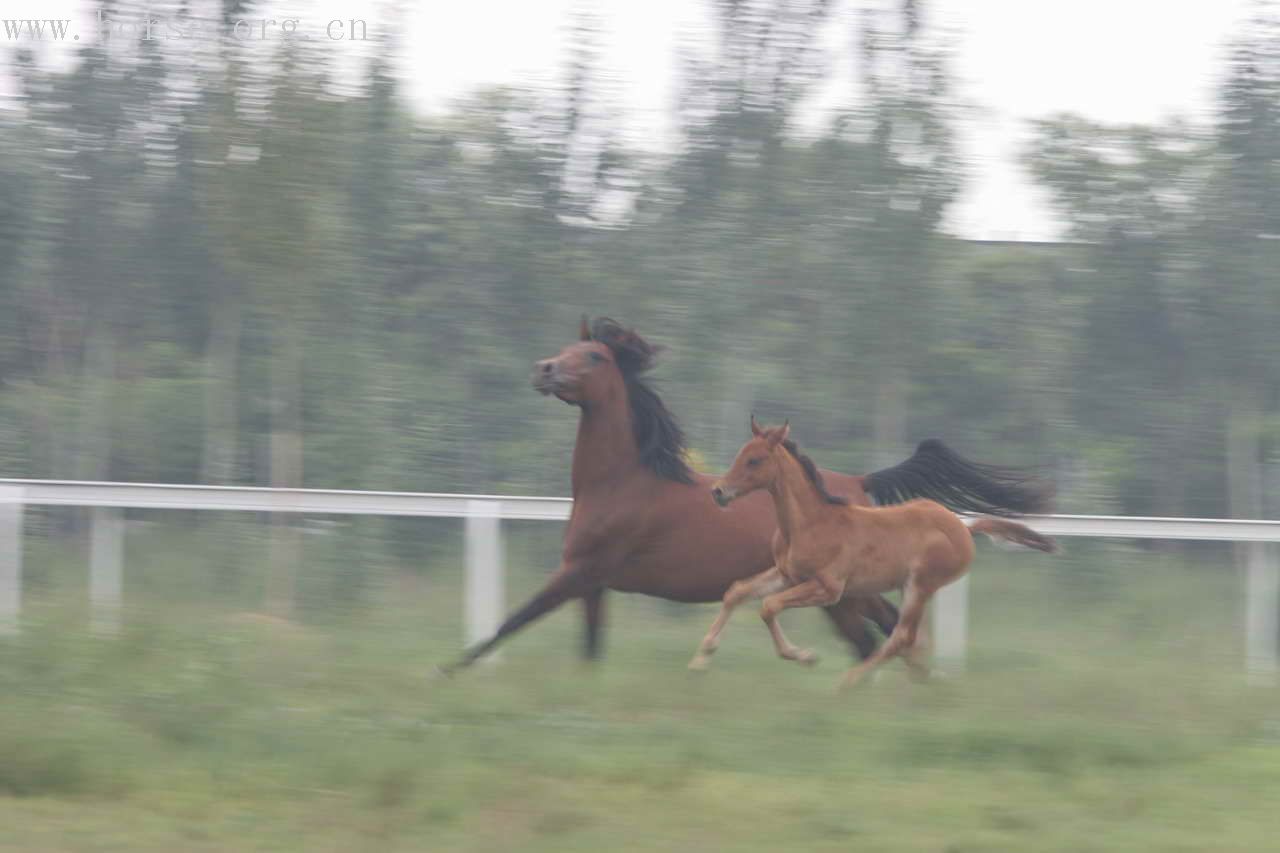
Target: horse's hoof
(807, 657)
(700, 664)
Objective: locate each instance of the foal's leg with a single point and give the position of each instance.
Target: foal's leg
(914, 599)
(916, 656)
(756, 586)
(807, 594)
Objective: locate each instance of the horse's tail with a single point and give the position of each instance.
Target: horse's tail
(1011, 531)
(936, 471)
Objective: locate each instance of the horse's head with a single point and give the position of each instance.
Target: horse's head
(755, 466)
(593, 367)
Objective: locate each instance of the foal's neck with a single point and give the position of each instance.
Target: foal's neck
(606, 447)
(795, 499)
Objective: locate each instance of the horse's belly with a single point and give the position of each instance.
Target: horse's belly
(684, 547)
(676, 579)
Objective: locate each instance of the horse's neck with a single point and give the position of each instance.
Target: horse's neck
(795, 499)
(606, 447)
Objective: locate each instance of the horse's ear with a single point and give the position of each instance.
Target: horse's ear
(755, 427)
(584, 329)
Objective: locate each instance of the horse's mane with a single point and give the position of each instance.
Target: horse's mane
(811, 471)
(658, 436)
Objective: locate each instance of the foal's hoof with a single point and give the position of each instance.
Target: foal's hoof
(700, 663)
(848, 682)
(919, 674)
(807, 657)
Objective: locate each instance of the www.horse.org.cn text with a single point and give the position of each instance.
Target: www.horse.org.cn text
(262, 28)
(177, 29)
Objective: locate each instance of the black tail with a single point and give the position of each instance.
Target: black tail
(937, 472)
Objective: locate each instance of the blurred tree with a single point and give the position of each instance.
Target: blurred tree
(230, 263)
(914, 173)
(1240, 238)
(1131, 194)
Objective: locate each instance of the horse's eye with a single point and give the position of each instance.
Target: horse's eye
(752, 463)
(596, 358)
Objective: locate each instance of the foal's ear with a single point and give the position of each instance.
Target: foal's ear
(755, 427)
(779, 435)
(584, 329)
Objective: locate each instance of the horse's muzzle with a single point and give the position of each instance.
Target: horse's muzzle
(721, 497)
(546, 379)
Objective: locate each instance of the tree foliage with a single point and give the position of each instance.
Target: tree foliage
(244, 272)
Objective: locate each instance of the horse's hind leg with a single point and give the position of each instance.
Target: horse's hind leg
(879, 610)
(756, 586)
(593, 613)
(566, 583)
(850, 615)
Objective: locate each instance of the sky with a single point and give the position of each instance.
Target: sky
(1110, 60)
(1123, 61)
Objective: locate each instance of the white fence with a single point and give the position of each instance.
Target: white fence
(484, 603)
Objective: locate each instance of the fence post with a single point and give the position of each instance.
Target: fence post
(951, 626)
(106, 569)
(10, 558)
(1262, 615)
(484, 582)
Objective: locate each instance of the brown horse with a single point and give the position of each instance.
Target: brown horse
(826, 549)
(641, 519)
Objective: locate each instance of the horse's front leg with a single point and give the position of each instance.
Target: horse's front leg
(756, 586)
(810, 593)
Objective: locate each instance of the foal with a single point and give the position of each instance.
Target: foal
(826, 549)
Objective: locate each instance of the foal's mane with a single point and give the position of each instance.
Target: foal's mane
(811, 471)
(658, 436)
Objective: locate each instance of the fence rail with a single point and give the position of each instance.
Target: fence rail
(484, 513)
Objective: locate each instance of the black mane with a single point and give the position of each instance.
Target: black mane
(811, 471)
(658, 436)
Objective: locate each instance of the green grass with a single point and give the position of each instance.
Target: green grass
(1103, 710)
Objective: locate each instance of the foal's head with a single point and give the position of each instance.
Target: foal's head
(755, 466)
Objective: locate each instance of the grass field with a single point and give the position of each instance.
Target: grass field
(1103, 709)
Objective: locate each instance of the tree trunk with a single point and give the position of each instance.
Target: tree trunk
(286, 469)
(220, 417)
(1244, 459)
(890, 416)
(45, 422)
(94, 446)
(735, 414)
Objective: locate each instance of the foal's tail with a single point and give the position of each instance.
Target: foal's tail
(938, 472)
(1011, 531)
